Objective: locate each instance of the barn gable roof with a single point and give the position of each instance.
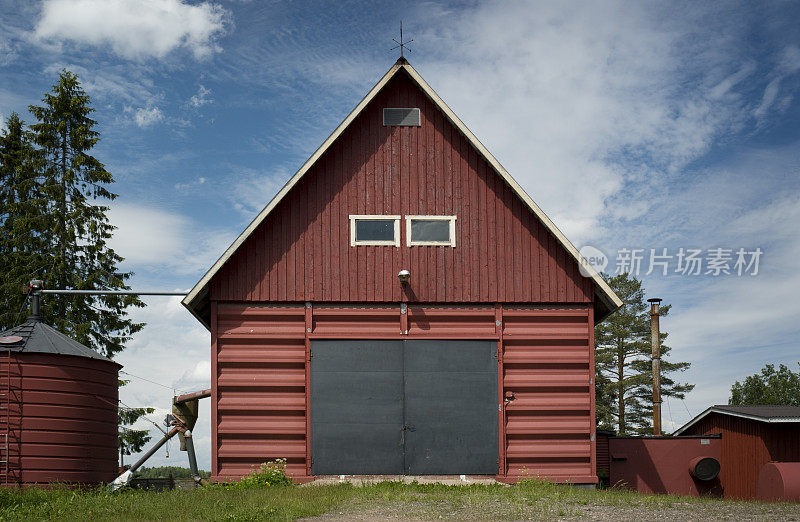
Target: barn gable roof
(760, 413)
(197, 300)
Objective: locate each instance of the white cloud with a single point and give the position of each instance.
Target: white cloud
(130, 84)
(252, 189)
(134, 29)
(7, 52)
(156, 239)
(728, 327)
(145, 117)
(580, 104)
(201, 98)
(172, 350)
(190, 184)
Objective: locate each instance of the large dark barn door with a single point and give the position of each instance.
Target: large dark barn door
(417, 407)
(450, 407)
(357, 407)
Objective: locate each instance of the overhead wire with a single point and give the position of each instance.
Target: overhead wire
(172, 388)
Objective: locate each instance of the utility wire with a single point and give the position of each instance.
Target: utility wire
(171, 388)
(687, 409)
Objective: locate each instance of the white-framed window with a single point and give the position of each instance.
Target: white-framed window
(431, 230)
(374, 230)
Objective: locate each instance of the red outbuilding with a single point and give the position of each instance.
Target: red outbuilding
(402, 306)
(752, 437)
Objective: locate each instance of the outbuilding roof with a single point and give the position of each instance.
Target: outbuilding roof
(197, 301)
(34, 336)
(760, 413)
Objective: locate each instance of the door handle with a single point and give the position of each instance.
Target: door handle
(409, 428)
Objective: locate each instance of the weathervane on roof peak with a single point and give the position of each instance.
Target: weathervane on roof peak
(401, 44)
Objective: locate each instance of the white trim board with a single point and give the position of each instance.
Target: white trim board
(193, 300)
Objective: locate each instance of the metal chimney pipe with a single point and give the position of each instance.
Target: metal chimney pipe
(36, 300)
(655, 336)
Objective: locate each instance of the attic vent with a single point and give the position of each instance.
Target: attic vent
(401, 117)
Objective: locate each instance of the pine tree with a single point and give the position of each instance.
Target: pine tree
(74, 185)
(624, 379)
(22, 220)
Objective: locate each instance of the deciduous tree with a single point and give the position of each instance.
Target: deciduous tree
(771, 386)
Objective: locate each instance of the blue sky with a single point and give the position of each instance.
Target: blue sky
(633, 125)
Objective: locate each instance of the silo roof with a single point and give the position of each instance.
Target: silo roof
(34, 336)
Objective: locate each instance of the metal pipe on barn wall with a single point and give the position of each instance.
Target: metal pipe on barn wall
(655, 339)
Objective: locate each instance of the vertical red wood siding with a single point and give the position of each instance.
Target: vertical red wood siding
(746, 446)
(602, 455)
(261, 361)
(302, 252)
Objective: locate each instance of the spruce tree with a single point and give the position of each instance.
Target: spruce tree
(22, 220)
(75, 186)
(624, 378)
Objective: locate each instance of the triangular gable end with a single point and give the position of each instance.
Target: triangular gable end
(197, 300)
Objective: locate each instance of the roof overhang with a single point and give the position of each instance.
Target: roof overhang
(758, 418)
(197, 300)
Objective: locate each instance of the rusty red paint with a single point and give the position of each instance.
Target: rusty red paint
(661, 464)
(261, 394)
(747, 445)
(302, 252)
(779, 482)
(62, 418)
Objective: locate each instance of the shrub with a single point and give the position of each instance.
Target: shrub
(271, 473)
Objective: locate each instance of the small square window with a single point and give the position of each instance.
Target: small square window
(375, 230)
(431, 230)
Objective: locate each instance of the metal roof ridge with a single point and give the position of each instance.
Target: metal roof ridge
(719, 408)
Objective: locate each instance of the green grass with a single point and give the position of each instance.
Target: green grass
(525, 500)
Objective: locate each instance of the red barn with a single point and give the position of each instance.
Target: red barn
(752, 436)
(402, 306)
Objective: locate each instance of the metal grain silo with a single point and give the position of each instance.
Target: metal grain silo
(58, 408)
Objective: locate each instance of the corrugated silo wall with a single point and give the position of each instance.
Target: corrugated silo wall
(62, 418)
(260, 357)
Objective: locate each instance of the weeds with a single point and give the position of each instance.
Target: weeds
(257, 498)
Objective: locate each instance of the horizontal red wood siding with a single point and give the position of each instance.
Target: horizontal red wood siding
(261, 367)
(746, 446)
(548, 369)
(60, 418)
(302, 251)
